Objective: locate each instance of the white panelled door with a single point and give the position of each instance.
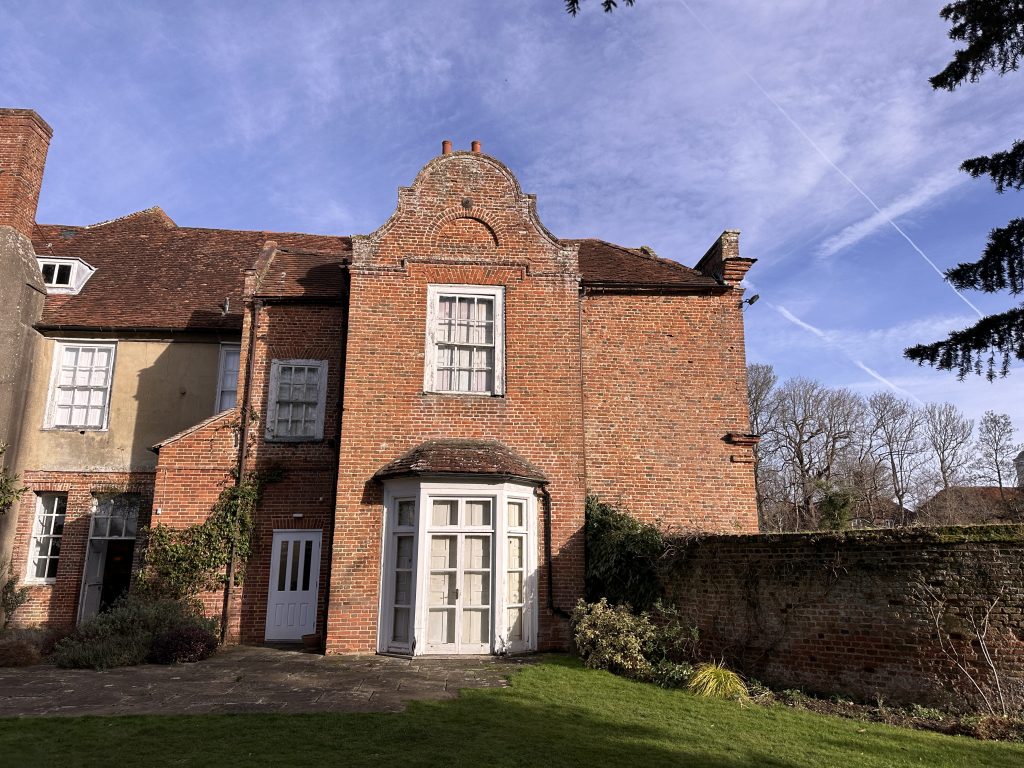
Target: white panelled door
(294, 578)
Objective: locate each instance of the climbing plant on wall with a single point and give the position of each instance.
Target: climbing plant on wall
(182, 562)
(9, 488)
(623, 557)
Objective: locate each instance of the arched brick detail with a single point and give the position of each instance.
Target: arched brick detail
(480, 216)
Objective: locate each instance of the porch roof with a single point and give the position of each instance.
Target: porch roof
(461, 457)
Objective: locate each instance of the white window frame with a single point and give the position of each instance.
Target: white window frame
(80, 274)
(40, 510)
(272, 403)
(59, 345)
(425, 491)
(434, 293)
(225, 347)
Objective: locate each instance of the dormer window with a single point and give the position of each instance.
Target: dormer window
(64, 275)
(56, 275)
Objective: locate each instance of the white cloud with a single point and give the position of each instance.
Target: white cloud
(922, 195)
(837, 342)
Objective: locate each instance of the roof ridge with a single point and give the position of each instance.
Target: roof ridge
(641, 253)
(264, 232)
(151, 209)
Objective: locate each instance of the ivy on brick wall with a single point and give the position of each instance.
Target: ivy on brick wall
(623, 557)
(9, 488)
(182, 562)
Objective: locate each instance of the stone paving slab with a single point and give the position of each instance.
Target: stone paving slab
(245, 679)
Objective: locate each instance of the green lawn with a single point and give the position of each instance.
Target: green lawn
(554, 714)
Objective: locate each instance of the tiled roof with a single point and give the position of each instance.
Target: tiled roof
(461, 457)
(305, 274)
(151, 273)
(231, 412)
(607, 264)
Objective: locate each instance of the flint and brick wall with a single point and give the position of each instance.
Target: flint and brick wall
(56, 604)
(864, 614)
(664, 384)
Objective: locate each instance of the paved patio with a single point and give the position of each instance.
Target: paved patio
(247, 679)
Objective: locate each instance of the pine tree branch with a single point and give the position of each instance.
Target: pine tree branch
(1005, 168)
(996, 338)
(1001, 266)
(994, 33)
(572, 7)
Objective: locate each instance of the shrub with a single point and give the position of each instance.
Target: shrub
(184, 643)
(713, 680)
(125, 634)
(18, 652)
(22, 647)
(670, 674)
(611, 637)
(622, 557)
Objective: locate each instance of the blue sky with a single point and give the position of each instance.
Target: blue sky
(659, 125)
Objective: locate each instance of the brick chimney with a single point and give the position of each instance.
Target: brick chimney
(723, 261)
(24, 140)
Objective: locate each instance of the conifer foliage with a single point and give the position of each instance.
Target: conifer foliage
(993, 33)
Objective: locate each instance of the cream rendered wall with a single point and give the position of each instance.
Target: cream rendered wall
(159, 389)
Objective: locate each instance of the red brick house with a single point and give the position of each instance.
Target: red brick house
(440, 394)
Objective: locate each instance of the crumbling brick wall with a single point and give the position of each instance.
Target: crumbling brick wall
(865, 614)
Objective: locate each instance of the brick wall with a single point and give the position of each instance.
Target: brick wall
(56, 604)
(665, 383)
(194, 468)
(24, 141)
(498, 242)
(855, 613)
(303, 498)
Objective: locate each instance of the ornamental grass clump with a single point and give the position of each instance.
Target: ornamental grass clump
(713, 680)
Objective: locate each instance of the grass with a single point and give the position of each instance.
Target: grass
(554, 714)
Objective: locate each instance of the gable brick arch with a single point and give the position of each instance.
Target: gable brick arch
(459, 226)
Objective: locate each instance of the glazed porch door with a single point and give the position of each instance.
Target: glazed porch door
(461, 576)
(294, 580)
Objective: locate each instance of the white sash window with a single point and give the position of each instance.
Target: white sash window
(465, 351)
(80, 385)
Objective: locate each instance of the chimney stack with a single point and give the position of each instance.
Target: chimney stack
(24, 141)
(1018, 464)
(475, 146)
(446, 147)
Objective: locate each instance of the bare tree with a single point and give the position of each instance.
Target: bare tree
(814, 425)
(761, 380)
(899, 427)
(862, 473)
(996, 450)
(948, 433)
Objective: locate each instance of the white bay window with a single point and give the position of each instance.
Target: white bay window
(459, 568)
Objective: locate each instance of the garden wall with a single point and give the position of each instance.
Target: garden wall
(893, 614)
